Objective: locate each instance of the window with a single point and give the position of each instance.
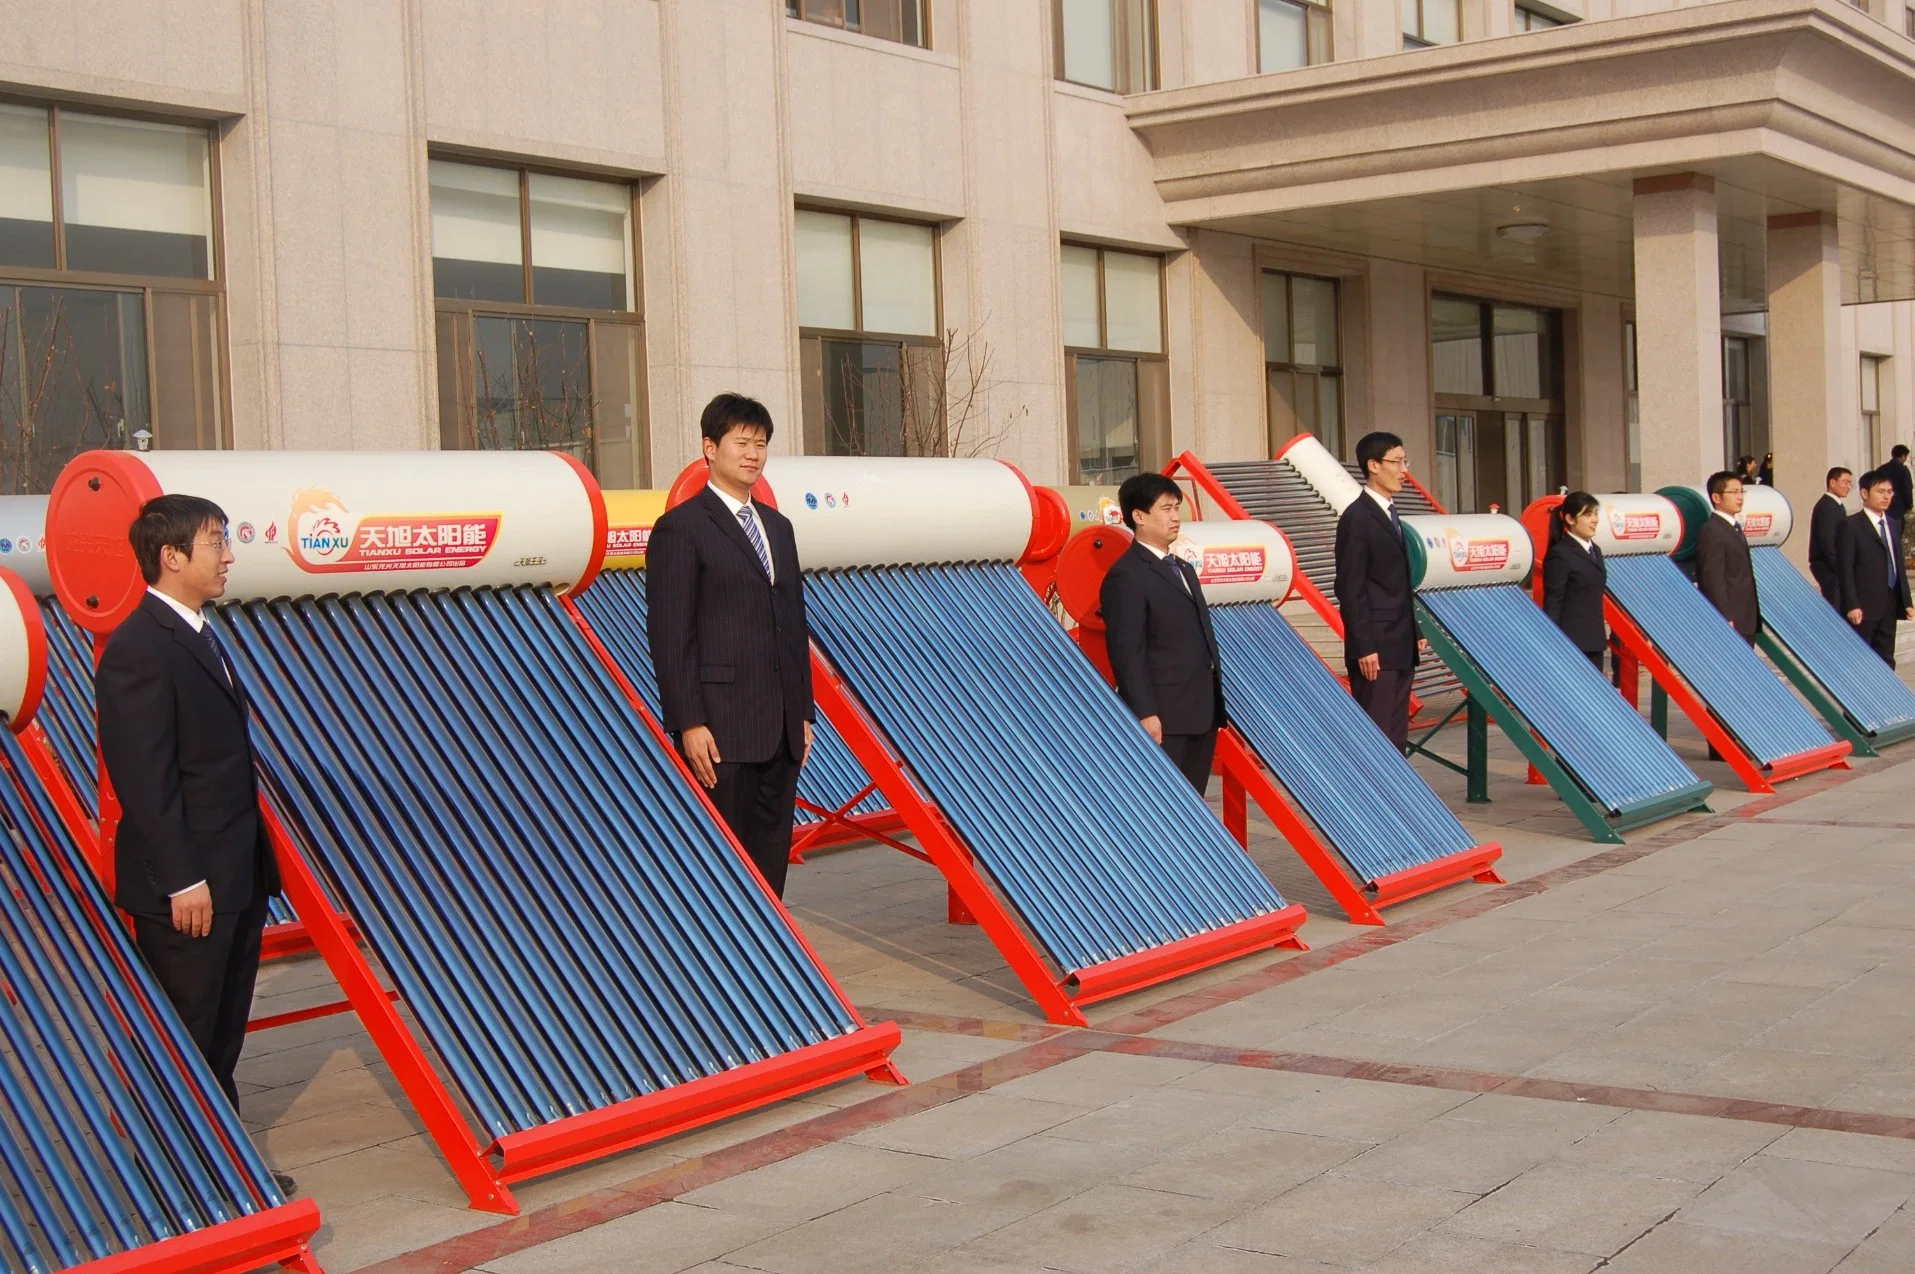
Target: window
(1872, 437)
(1303, 366)
(900, 20)
(1738, 410)
(1498, 377)
(1428, 22)
(110, 305)
(540, 343)
(1632, 408)
(868, 336)
(1528, 19)
(1908, 22)
(1291, 33)
(1109, 44)
(1116, 379)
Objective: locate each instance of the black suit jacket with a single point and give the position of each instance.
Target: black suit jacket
(1573, 583)
(1726, 575)
(173, 737)
(1825, 530)
(731, 649)
(1373, 587)
(1863, 566)
(1162, 649)
(1899, 478)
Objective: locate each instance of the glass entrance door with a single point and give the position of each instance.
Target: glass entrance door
(1456, 461)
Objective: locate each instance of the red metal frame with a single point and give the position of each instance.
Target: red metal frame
(1058, 993)
(281, 1235)
(1246, 778)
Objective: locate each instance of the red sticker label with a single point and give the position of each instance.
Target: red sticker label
(1756, 525)
(1478, 555)
(1232, 565)
(627, 541)
(324, 538)
(1634, 526)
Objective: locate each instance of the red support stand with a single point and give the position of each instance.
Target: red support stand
(1245, 777)
(278, 1236)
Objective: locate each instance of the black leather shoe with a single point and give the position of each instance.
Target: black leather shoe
(287, 1186)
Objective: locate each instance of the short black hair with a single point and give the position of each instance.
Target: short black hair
(1898, 452)
(1875, 478)
(1574, 505)
(1719, 482)
(1835, 473)
(1374, 447)
(1140, 494)
(169, 521)
(731, 411)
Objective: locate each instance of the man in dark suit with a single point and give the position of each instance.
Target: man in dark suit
(728, 638)
(192, 864)
(1157, 628)
(1869, 564)
(1380, 644)
(1724, 571)
(1898, 476)
(1825, 528)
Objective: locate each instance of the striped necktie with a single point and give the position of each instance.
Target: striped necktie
(756, 537)
(1888, 546)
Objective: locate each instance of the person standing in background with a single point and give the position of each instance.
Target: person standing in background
(1163, 653)
(1825, 529)
(1898, 477)
(1875, 591)
(1766, 474)
(1380, 643)
(1574, 577)
(1724, 570)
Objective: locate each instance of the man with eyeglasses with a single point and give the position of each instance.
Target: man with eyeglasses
(1380, 642)
(192, 864)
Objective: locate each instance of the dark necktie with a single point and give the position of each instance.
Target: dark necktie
(219, 654)
(1177, 570)
(756, 537)
(1595, 553)
(1888, 546)
(1397, 522)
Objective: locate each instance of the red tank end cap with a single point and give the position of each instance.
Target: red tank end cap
(94, 501)
(1081, 567)
(36, 649)
(692, 478)
(1050, 524)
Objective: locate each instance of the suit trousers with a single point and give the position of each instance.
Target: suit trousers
(209, 980)
(1192, 755)
(757, 800)
(1880, 636)
(1386, 701)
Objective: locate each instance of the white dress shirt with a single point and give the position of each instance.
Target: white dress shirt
(738, 506)
(1381, 499)
(1163, 555)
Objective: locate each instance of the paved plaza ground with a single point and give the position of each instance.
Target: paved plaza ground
(1693, 1054)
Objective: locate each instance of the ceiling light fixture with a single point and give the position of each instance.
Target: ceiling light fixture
(1523, 231)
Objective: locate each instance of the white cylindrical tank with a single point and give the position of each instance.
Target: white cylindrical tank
(23, 540)
(1321, 470)
(1466, 549)
(309, 523)
(1766, 515)
(898, 511)
(1634, 523)
(1240, 561)
(23, 651)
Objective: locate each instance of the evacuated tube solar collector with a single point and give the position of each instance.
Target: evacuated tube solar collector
(592, 959)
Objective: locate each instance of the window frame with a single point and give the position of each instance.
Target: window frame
(1316, 14)
(464, 313)
(1870, 369)
(147, 285)
(1337, 370)
(795, 11)
(1524, 13)
(1103, 351)
(1421, 39)
(1153, 64)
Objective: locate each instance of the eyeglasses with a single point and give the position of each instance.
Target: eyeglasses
(1397, 462)
(217, 543)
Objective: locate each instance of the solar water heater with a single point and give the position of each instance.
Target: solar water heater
(118, 1151)
(1591, 745)
(1356, 813)
(588, 959)
(1059, 827)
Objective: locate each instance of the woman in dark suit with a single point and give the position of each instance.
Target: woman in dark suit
(1574, 576)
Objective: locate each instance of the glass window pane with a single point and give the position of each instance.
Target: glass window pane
(533, 382)
(1276, 318)
(477, 252)
(1313, 304)
(1283, 37)
(1330, 413)
(1412, 25)
(1106, 420)
(1090, 43)
(1442, 21)
(1735, 369)
(623, 459)
(1871, 383)
(1519, 350)
(26, 188)
(824, 271)
(186, 372)
(1082, 330)
(136, 197)
(1457, 342)
(1136, 43)
(73, 378)
(1280, 407)
(897, 272)
(1133, 302)
(581, 243)
(863, 399)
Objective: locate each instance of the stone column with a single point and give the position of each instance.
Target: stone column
(1810, 430)
(1678, 329)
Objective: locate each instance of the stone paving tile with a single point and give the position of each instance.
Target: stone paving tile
(1158, 1119)
(1800, 1200)
(1359, 1110)
(814, 1183)
(1650, 1143)
(969, 1126)
(1243, 1163)
(1108, 1227)
(1098, 1079)
(892, 1231)
(383, 1227)
(1026, 1176)
(1481, 1144)
(1341, 1219)
(1890, 1250)
(1443, 1251)
(1676, 1248)
(662, 1239)
(1570, 1209)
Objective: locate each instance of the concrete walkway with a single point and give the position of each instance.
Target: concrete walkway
(1694, 1053)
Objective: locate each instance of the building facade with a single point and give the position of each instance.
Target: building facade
(1587, 242)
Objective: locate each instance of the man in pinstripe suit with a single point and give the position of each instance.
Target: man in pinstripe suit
(728, 638)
